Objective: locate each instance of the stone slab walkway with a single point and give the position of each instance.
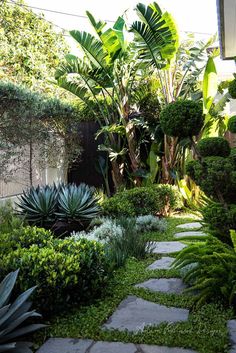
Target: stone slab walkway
(133, 314)
(68, 345)
(167, 247)
(162, 264)
(165, 285)
(232, 335)
(196, 233)
(193, 225)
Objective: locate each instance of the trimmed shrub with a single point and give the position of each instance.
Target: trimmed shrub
(232, 89)
(183, 118)
(215, 176)
(213, 146)
(24, 237)
(220, 220)
(66, 272)
(232, 124)
(156, 199)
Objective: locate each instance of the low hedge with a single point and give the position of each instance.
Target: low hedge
(157, 199)
(67, 272)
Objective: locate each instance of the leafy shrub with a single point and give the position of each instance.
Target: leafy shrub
(52, 207)
(13, 316)
(210, 270)
(157, 199)
(232, 124)
(213, 146)
(109, 228)
(24, 237)
(8, 219)
(128, 244)
(232, 88)
(150, 223)
(67, 272)
(183, 118)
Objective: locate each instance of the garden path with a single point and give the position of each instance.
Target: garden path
(134, 314)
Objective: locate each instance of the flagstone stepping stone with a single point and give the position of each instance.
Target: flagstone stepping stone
(166, 285)
(232, 334)
(133, 314)
(167, 247)
(193, 225)
(158, 349)
(65, 345)
(162, 264)
(192, 233)
(113, 347)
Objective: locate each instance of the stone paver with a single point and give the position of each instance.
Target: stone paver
(159, 349)
(65, 345)
(113, 347)
(193, 225)
(162, 264)
(167, 247)
(196, 233)
(166, 285)
(133, 314)
(232, 334)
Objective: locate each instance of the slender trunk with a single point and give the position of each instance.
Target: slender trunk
(31, 162)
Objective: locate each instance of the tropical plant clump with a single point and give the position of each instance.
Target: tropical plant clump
(13, 317)
(183, 118)
(46, 206)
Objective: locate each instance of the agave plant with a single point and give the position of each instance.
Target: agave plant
(38, 205)
(12, 317)
(77, 203)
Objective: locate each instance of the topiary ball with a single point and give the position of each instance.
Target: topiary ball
(232, 124)
(232, 88)
(183, 118)
(213, 146)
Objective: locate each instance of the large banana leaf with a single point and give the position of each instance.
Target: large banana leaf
(155, 34)
(210, 85)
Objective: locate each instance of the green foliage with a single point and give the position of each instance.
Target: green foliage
(24, 237)
(215, 176)
(183, 118)
(210, 270)
(156, 199)
(30, 49)
(213, 146)
(8, 219)
(129, 243)
(27, 119)
(232, 124)
(67, 272)
(45, 205)
(13, 317)
(220, 220)
(232, 89)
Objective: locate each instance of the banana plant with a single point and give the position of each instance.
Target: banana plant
(214, 120)
(108, 72)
